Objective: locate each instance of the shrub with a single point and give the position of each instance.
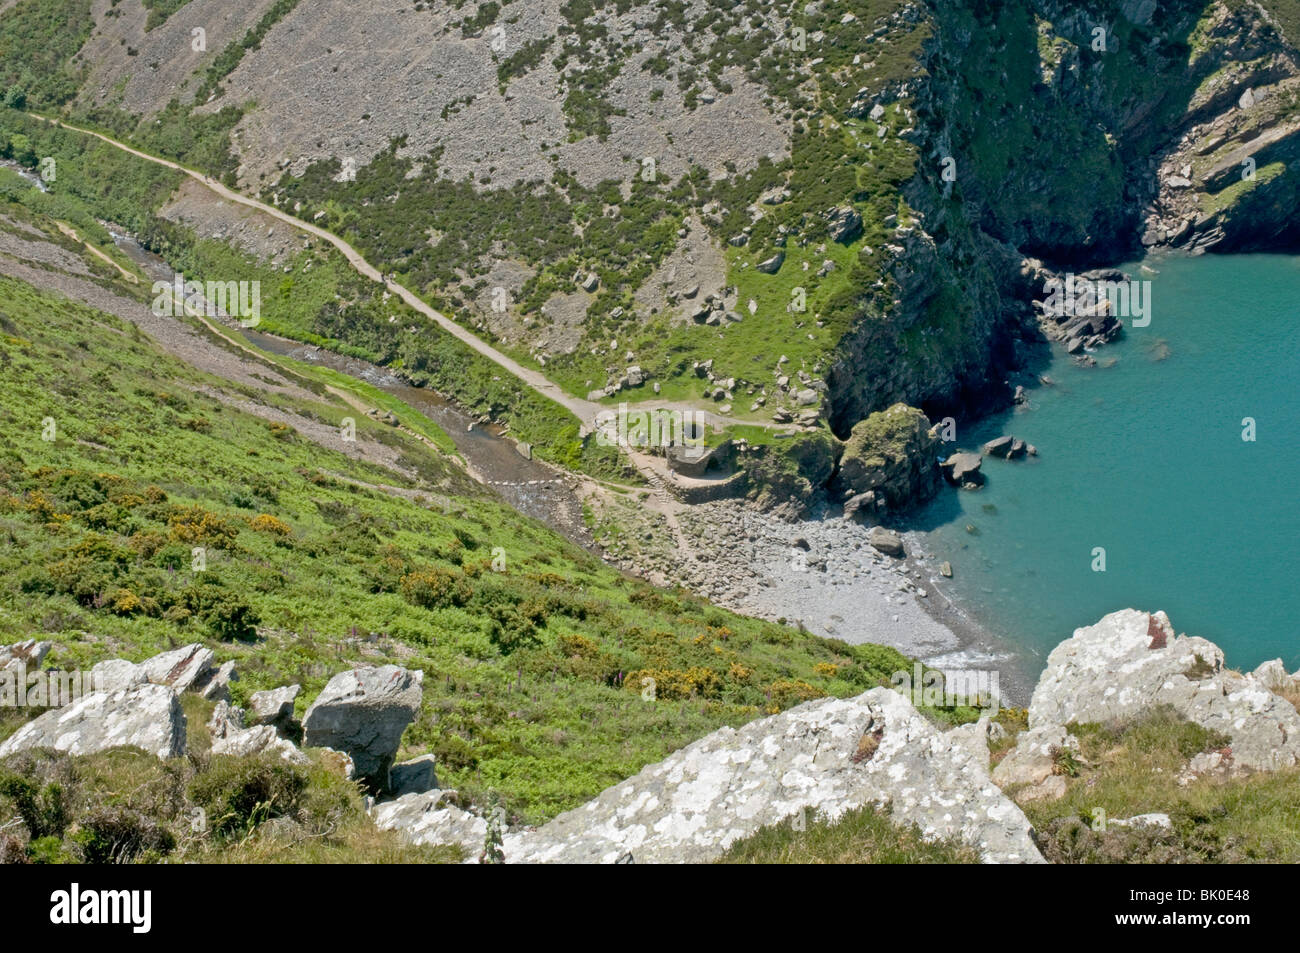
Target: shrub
(42, 811)
(265, 523)
(116, 835)
(193, 524)
(675, 684)
(226, 614)
(237, 794)
(435, 588)
(785, 693)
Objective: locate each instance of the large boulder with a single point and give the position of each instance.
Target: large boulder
(274, 706)
(29, 654)
(886, 541)
(1131, 662)
(180, 668)
(893, 454)
(146, 716)
(257, 740)
(363, 712)
(830, 755)
(430, 818)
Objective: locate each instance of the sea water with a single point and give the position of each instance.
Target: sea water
(1143, 470)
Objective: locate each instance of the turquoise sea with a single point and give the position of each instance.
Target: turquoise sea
(1143, 456)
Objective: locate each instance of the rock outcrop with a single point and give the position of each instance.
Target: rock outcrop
(430, 818)
(146, 716)
(830, 756)
(363, 712)
(1131, 662)
(894, 455)
(29, 654)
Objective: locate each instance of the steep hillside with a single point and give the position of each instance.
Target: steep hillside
(118, 461)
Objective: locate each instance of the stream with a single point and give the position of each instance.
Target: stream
(532, 487)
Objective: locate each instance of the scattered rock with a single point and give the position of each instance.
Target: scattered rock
(770, 266)
(364, 711)
(217, 687)
(29, 654)
(180, 668)
(226, 720)
(844, 224)
(146, 716)
(257, 740)
(116, 675)
(886, 541)
(430, 819)
(274, 706)
(415, 776)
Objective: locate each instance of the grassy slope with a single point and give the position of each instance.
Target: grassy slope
(524, 665)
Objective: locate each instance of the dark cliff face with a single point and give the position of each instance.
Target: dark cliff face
(1078, 136)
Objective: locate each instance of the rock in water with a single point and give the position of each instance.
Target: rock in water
(830, 755)
(964, 469)
(1118, 669)
(363, 712)
(146, 716)
(999, 446)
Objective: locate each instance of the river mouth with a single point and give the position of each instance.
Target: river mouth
(532, 487)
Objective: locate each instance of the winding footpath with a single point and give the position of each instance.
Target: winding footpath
(584, 410)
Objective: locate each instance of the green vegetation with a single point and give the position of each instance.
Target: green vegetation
(126, 806)
(38, 39)
(532, 686)
(1123, 771)
(863, 836)
(160, 10)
